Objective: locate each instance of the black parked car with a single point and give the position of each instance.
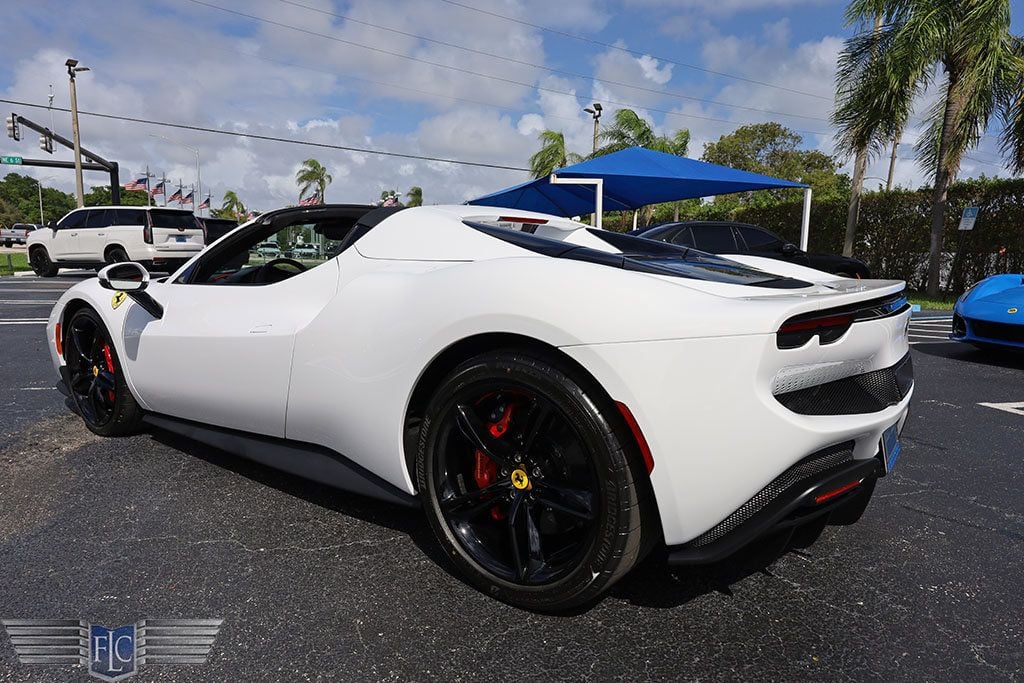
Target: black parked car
(729, 237)
(215, 228)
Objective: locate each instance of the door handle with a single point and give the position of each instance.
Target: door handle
(74, 234)
(101, 234)
(262, 328)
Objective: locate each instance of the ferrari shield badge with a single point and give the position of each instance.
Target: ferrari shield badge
(118, 300)
(1011, 311)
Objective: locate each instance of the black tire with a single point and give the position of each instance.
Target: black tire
(96, 378)
(116, 255)
(41, 264)
(580, 457)
(7, 243)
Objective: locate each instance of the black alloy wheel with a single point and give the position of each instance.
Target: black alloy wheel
(95, 378)
(117, 255)
(532, 489)
(41, 264)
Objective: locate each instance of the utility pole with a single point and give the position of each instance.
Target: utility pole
(595, 112)
(39, 186)
(892, 164)
(73, 68)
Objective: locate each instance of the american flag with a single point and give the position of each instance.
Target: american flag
(139, 184)
(176, 197)
(157, 189)
(310, 200)
(206, 203)
(187, 199)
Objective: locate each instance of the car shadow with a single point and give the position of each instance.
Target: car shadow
(403, 520)
(653, 583)
(965, 353)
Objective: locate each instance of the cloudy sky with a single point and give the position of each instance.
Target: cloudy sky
(470, 80)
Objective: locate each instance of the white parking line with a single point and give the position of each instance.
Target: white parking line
(27, 302)
(1013, 408)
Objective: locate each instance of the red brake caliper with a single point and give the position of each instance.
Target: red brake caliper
(485, 471)
(109, 358)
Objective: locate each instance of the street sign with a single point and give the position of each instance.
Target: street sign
(13, 161)
(968, 218)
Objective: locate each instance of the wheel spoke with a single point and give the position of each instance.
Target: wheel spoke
(467, 505)
(513, 534)
(105, 380)
(570, 501)
(76, 341)
(533, 539)
(534, 423)
(474, 430)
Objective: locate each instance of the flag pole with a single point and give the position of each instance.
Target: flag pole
(148, 204)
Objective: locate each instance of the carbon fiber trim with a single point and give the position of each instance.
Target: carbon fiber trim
(869, 392)
(811, 467)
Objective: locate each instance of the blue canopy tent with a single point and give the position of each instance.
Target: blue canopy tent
(634, 177)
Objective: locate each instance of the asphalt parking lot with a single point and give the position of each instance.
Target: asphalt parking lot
(313, 584)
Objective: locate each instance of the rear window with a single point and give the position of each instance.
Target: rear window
(173, 219)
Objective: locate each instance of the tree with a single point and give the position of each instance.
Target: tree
(233, 207)
(552, 155)
(861, 142)
(99, 195)
(415, 195)
(982, 66)
(628, 129)
(19, 200)
(312, 179)
(774, 150)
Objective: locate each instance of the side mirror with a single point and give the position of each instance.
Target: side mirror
(124, 277)
(51, 224)
(790, 249)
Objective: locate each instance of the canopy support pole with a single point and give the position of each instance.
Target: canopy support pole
(598, 184)
(805, 221)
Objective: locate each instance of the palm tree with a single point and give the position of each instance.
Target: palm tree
(983, 66)
(415, 195)
(629, 130)
(864, 142)
(312, 179)
(552, 155)
(233, 206)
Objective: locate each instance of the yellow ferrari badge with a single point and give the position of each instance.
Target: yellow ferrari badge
(118, 299)
(1011, 311)
(520, 480)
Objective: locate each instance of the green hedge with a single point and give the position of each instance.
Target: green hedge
(894, 227)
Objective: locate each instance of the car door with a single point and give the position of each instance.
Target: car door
(92, 236)
(222, 352)
(714, 239)
(63, 244)
(761, 242)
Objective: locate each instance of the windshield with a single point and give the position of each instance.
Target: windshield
(173, 219)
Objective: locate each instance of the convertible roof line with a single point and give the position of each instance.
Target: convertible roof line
(315, 213)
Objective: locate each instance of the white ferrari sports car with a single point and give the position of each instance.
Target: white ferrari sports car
(557, 399)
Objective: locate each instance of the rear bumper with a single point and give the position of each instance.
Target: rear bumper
(797, 497)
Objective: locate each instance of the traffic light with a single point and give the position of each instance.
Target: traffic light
(13, 129)
(46, 143)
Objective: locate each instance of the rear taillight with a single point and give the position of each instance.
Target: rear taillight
(147, 229)
(796, 332)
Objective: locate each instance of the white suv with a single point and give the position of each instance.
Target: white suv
(158, 237)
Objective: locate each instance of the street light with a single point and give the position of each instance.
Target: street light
(595, 111)
(73, 68)
(39, 186)
(194, 150)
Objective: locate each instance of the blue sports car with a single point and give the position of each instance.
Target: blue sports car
(991, 313)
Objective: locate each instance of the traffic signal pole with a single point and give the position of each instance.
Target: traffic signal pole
(95, 161)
